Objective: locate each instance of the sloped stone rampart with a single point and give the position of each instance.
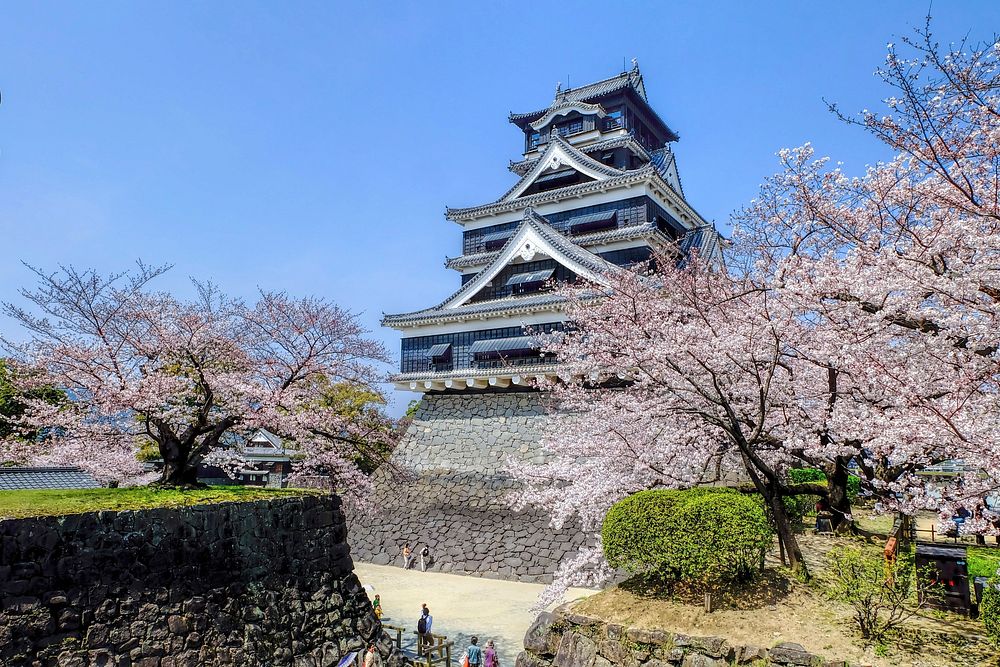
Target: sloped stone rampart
(456, 500)
(257, 584)
(566, 639)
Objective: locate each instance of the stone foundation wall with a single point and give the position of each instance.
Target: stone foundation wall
(565, 639)
(456, 500)
(262, 583)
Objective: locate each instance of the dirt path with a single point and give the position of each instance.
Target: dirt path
(461, 606)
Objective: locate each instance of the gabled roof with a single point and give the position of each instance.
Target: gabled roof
(666, 164)
(630, 79)
(706, 241)
(267, 438)
(647, 172)
(533, 236)
(522, 167)
(559, 155)
(646, 231)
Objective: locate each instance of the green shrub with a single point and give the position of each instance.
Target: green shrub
(989, 610)
(879, 592)
(702, 535)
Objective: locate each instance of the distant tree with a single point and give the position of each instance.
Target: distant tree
(189, 376)
(13, 401)
(376, 434)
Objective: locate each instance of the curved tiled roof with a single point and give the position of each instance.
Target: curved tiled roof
(706, 240)
(14, 479)
(630, 79)
(664, 159)
(644, 230)
(524, 166)
(634, 175)
(582, 159)
(565, 107)
(577, 258)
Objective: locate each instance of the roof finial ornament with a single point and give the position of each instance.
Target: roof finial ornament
(558, 89)
(635, 63)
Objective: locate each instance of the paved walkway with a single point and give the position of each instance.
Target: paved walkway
(462, 606)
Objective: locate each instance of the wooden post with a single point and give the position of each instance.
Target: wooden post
(708, 603)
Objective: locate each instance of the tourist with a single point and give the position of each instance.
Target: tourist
(370, 656)
(425, 555)
(474, 653)
(490, 655)
(377, 607)
(424, 625)
(406, 556)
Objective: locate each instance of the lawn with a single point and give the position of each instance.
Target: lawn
(53, 502)
(982, 561)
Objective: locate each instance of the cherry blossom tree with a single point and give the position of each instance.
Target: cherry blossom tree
(194, 377)
(672, 380)
(898, 268)
(856, 320)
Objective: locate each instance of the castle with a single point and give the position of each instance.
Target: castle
(597, 189)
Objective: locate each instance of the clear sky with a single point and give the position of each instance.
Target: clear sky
(312, 147)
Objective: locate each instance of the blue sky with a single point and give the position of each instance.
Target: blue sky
(312, 147)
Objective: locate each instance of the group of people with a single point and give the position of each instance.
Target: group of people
(475, 656)
(425, 557)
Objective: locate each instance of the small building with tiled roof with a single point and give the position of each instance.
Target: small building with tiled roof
(598, 190)
(35, 478)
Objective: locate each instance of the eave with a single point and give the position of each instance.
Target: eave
(647, 174)
(475, 378)
(645, 231)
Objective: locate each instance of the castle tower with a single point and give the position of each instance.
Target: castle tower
(597, 190)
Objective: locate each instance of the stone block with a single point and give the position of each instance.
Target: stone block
(789, 653)
(575, 650)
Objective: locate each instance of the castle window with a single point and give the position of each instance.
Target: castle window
(594, 222)
(572, 127)
(534, 139)
(494, 240)
(503, 348)
(613, 120)
(522, 283)
(440, 353)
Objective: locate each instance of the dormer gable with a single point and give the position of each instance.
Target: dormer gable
(560, 165)
(534, 239)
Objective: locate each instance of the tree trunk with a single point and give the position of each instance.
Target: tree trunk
(177, 468)
(837, 497)
(769, 492)
(786, 534)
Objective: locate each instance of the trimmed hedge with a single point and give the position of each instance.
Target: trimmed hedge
(705, 535)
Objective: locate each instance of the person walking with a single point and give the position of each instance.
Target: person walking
(377, 607)
(407, 554)
(425, 555)
(490, 658)
(424, 629)
(474, 653)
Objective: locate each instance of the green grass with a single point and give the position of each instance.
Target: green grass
(982, 561)
(19, 504)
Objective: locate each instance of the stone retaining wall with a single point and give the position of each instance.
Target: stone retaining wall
(565, 639)
(456, 500)
(262, 583)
